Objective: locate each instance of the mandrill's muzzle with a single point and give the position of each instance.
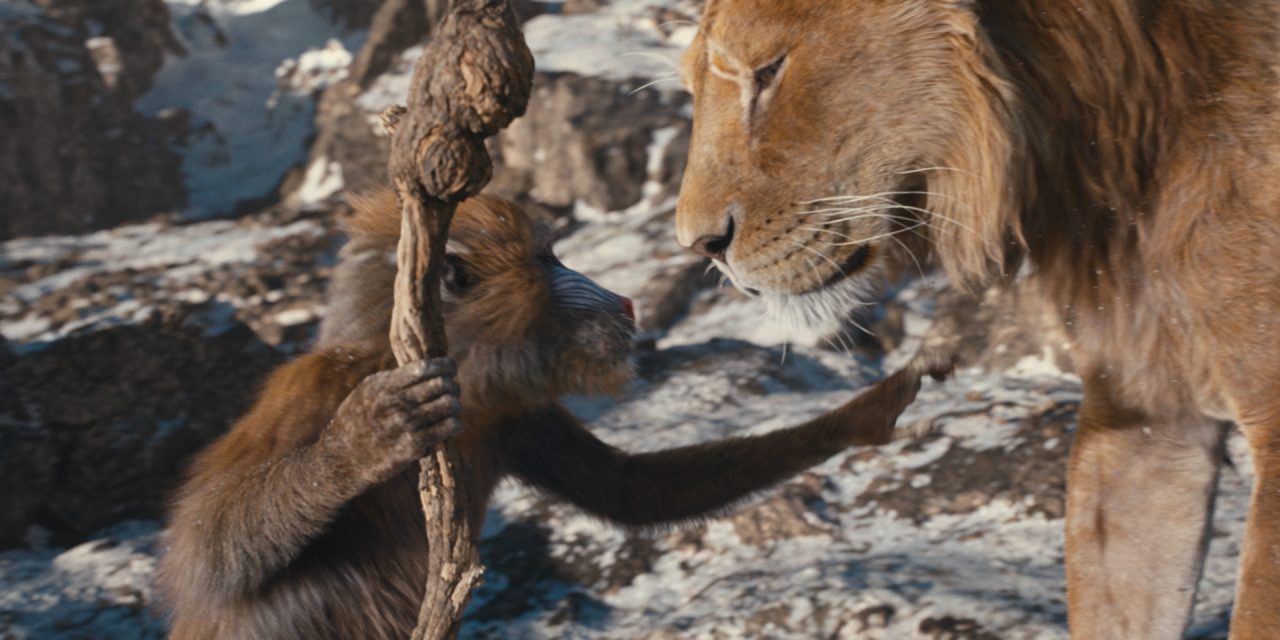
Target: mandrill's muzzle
(576, 291)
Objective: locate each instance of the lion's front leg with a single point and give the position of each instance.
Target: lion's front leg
(1257, 610)
(1139, 505)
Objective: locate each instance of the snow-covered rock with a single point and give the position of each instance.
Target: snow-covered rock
(127, 350)
(98, 589)
(74, 154)
(245, 92)
(606, 124)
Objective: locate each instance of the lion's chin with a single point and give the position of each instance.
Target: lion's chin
(827, 303)
(827, 306)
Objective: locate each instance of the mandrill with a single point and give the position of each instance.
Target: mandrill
(304, 521)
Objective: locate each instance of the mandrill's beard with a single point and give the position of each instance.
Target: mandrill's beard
(596, 357)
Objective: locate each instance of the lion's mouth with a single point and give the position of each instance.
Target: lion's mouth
(908, 197)
(852, 265)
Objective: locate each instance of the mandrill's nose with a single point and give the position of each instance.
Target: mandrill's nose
(714, 246)
(628, 308)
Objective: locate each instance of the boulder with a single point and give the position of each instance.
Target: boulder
(131, 349)
(74, 156)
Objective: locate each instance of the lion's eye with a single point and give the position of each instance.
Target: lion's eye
(768, 73)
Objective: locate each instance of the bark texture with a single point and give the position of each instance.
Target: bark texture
(473, 79)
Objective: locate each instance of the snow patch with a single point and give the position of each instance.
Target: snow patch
(246, 132)
(183, 252)
(323, 180)
(391, 87)
(622, 40)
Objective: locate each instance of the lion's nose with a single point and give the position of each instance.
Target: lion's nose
(714, 246)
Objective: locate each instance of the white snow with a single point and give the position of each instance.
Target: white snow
(322, 181)
(247, 133)
(102, 586)
(999, 564)
(314, 70)
(623, 40)
(183, 251)
(291, 317)
(391, 87)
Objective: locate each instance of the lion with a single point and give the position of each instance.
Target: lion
(1125, 152)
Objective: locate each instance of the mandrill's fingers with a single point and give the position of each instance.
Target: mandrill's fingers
(393, 417)
(438, 418)
(868, 419)
(426, 391)
(936, 363)
(878, 408)
(416, 373)
(900, 389)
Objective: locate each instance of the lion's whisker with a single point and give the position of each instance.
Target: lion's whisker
(866, 196)
(655, 56)
(833, 341)
(941, 217)
(884, 196)
(868, 213)
(924, 169)
(881, 236)
(881, 194)
(671, 22)
(914, 228)
(666, 78)
(910, 254)
(860, 327)
(840, 210)
(820, 255)
(892, 205)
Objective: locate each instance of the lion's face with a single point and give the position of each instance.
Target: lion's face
(827, 136)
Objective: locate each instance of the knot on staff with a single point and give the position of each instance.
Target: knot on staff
(472, 80)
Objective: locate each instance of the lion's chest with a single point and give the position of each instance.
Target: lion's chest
(1150, 354)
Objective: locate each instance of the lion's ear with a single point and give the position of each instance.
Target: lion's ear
(974, 193)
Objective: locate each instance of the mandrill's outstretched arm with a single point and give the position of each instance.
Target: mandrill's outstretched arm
(551, 450)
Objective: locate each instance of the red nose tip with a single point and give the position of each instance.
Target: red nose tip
(629, 308)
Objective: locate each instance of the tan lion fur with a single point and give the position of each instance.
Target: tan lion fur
(1129, 150)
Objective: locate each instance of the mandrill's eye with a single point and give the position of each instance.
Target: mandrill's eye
(766, 75)
(456, 280)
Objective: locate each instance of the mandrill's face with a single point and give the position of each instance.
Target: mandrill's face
(519, 322)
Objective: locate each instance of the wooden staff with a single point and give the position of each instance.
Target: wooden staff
(473, 79)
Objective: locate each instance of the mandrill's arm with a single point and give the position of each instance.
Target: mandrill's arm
(323, 431)
(551, 450)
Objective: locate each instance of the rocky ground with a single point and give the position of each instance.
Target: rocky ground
(123, 351)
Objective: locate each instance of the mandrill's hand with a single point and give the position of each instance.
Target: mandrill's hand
(393, 418)
(873, 414)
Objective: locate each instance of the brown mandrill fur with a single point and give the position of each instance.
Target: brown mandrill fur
(1127, 150)
(304, 521)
